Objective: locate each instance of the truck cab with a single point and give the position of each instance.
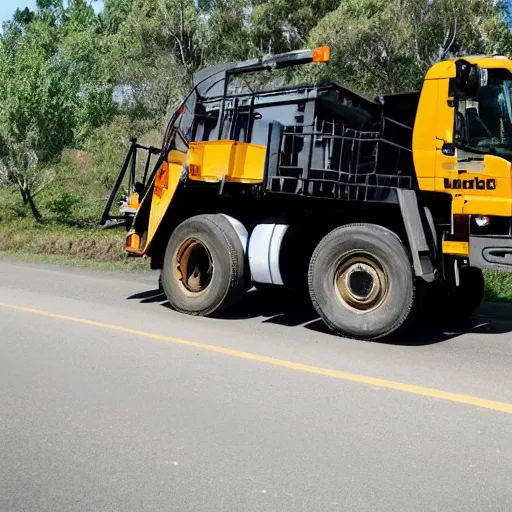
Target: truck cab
(462, 146)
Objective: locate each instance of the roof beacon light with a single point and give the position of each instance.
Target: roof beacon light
(322, 54)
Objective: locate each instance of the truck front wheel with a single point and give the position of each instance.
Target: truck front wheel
(470, 293)
(204, 266)
(361, 281)
(460, 303)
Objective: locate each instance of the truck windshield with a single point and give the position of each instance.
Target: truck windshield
(484, 123)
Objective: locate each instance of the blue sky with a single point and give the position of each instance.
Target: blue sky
(7, 7)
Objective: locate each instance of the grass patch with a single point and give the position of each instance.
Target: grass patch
(498, 286)
(131, 265)
(51, 239)
(102, 249)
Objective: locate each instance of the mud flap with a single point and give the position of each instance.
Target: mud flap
(420, 250)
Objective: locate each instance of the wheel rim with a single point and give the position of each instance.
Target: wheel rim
(194, 266)
(361, 282)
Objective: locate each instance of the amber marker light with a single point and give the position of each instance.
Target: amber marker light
(162, 180)
(322, 54)
(133, 242)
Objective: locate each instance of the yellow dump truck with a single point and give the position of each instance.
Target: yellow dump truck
(380, 209)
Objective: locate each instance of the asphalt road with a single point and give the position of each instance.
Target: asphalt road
(109, 401)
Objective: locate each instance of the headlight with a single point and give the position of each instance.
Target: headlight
(482, 221)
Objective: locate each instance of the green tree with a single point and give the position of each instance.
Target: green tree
(277, 26)
(51, 90)
(152, 55)
(114, 14)
(19, 166)
(388, 45)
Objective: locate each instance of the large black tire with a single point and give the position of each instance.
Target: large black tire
(362, 282)
(470, 293)
(204, 266)
(462, 302)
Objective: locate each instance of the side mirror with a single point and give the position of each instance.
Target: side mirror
(448, 149)
(469, 79)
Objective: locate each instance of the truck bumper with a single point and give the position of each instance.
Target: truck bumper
(493, 253)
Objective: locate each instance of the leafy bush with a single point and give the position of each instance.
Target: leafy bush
(63, 207)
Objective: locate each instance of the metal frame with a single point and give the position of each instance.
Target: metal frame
(131, 158)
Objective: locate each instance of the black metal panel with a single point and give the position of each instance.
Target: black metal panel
(331, 160)
(275, 134)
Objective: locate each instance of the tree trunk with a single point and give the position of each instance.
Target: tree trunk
(33, 207)
(23, 195)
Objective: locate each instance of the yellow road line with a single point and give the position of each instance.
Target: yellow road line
(351, 377)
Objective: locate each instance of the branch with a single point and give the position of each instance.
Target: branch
(182, 50)
(449, 39)
(454, 36)
(44, 183)
(416, 42)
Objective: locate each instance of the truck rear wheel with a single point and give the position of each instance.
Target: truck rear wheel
(203, 270)
(361, 281)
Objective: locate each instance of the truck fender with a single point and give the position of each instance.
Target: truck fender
(264, 251)
(240, 229)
